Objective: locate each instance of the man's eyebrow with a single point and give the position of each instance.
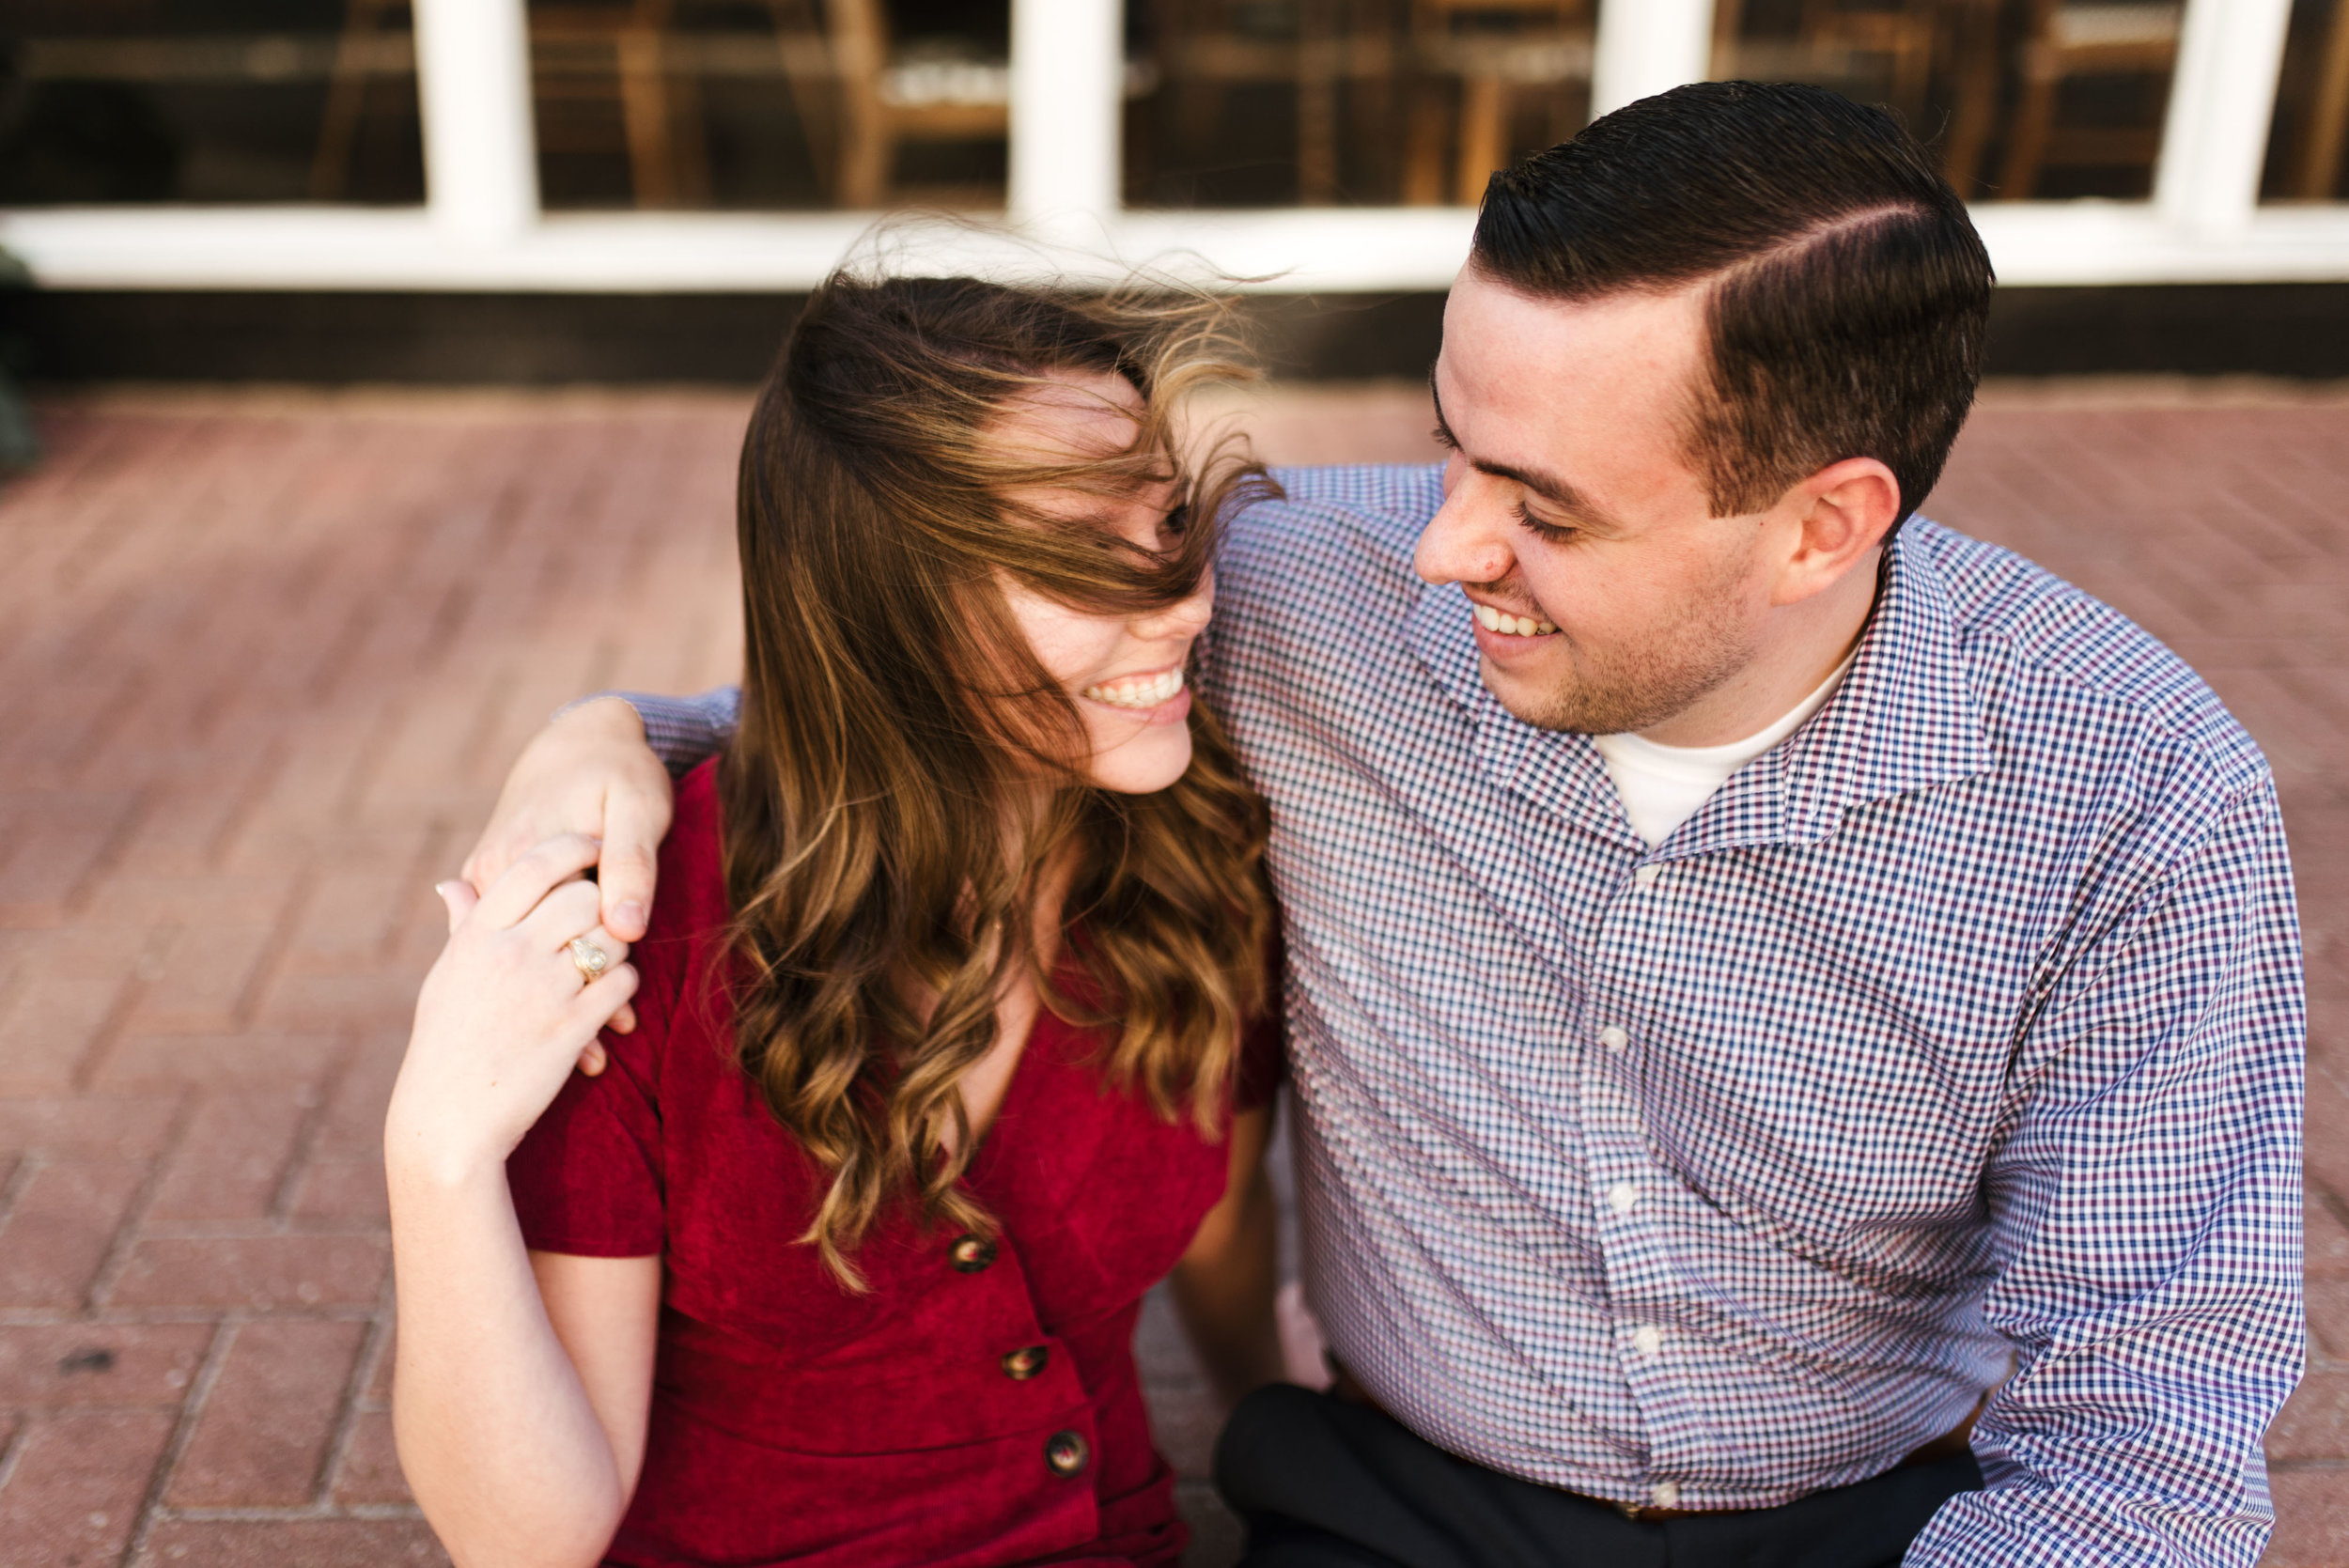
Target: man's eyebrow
(1549, 487)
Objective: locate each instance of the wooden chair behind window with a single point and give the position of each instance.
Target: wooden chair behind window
(1338, 56)
(2318, 174)
(618, 76)
(890, 96)
(1916, 40)
(2069, 39)
(1540, 48)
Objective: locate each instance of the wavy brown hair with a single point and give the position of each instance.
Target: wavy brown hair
(906, 774)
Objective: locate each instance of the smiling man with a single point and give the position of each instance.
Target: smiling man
(1795, 1015)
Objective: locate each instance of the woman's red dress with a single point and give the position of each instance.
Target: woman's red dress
(979, 1406)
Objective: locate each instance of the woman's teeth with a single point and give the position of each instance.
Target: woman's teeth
(1514, 626)
(1138, 691)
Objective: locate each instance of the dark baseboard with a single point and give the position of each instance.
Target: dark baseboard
(69, 336)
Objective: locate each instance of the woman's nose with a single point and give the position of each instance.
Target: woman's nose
(1185, 618)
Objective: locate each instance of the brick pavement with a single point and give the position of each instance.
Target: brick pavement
(263, 656)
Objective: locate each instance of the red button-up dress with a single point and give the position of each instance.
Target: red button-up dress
(980, 1405)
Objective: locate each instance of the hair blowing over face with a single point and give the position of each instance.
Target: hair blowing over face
(1848, 293)
(906, 770)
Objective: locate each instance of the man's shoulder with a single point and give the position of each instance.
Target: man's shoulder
(2030, 639)
(1373, 510)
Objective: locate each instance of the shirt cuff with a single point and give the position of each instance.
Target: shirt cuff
(684, 732)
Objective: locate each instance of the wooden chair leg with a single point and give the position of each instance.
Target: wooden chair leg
(1423, 148)
(798, 35)
(2328, 115)
(645, 117)
(1318, 43)
(1976, 98)
(866, 150)
(346, 102)
(2033, 119)
(1484, 135)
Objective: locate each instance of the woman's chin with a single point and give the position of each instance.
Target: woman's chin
(1143, 764)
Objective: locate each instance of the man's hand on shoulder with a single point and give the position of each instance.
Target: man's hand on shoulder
(588, 772)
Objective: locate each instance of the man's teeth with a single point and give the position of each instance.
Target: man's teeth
(1515, 625)
(1138, 691)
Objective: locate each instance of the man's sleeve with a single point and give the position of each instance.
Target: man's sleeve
(2147, 1210)
(685, 731)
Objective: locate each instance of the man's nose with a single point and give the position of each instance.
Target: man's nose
(1466, 541)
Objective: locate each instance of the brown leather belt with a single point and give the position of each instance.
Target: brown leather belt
(1947, 1446)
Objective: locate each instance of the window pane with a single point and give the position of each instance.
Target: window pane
(771, 103)
(1280, 102)
(2021, 99)
(2307, 158)
(208, 101)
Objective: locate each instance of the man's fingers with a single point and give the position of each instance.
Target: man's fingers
(500, 846)
(459, 899)
(522, 885)
(632, 825)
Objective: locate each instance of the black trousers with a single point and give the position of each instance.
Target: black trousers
(1326, 1483)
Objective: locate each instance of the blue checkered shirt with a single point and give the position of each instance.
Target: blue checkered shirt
(1955, 1046)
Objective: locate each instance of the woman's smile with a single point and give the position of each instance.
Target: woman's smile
(1158, 696)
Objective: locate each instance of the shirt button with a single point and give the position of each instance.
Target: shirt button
(1613, 1038)
(1066, 1452)
(1620, 1195)
(1026, 1362)
(1647, 1339)
(1645, 875)
(1664, 1493)
(970, 1253)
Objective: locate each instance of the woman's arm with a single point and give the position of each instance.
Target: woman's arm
(523, 1383)
(1224, 1287)
(524, 1379)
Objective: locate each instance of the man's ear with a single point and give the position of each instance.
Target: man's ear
(1841, 515)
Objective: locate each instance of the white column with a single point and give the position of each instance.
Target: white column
(2221, 103)
(1067, 92)
(1647, 46)
(480, 157)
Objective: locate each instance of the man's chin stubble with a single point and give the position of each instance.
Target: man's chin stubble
(1633, 703)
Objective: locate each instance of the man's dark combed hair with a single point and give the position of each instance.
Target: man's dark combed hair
(1848, 292)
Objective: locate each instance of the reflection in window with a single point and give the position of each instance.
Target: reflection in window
(1273, 103)
(208, 101)
(2307, 158)
(2021, 99)
(771, 103)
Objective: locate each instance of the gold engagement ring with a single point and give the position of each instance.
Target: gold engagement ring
(591, 959)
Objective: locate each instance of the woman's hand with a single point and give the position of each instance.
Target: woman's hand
(503, 1015)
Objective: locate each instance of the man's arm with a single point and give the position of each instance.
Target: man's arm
(2147, 1207)
(604, 767)
(684, 732)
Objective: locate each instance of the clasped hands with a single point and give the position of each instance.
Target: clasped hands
(507, 1009)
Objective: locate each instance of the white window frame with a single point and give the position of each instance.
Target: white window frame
(482, 226)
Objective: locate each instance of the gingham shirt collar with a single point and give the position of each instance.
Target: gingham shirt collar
(1903, 719)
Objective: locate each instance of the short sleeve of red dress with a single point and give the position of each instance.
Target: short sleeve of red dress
(587, 1179)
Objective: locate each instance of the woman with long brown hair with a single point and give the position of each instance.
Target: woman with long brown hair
(950, 1036)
